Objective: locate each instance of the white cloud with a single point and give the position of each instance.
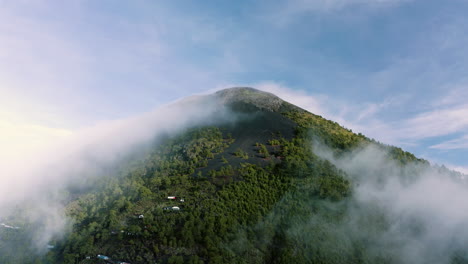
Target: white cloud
(284, 12)
(456, 95)
(87, 153)
(422, 85)
(436, 123)
(423, 94)
(401, 194)
(360, 117)
(458, 143)
(328, 5)
(461, 169)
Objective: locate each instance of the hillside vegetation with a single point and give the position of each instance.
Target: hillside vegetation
(240, 192)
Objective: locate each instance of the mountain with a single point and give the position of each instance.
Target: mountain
(269, 185)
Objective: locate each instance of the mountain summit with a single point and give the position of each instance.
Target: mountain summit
(261, 100)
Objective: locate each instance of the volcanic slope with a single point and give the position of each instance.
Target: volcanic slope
(239, 186)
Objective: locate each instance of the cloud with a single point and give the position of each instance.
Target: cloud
(413, 122)
(458, 143)
(109, 141)
(282, 13)
(319, 104)
(419, 228)
(436, 123)
(360, 117)
(328, 5)
(85, 155)
(395, 213)
(461, 169)
(455, 95)
(415, 94)
(446, 118)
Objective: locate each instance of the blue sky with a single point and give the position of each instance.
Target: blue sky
(395, 70)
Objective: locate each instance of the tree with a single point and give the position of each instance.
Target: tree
(264, 151)
(176, 260)
(224, 160)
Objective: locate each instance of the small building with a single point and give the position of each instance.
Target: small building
(171, 208)
(103, 257)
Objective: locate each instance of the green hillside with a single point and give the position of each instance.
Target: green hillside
(242, 191)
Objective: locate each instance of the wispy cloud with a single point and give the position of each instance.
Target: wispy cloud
(360, 117)
(458, 143)
(409, 132)
(281, 13)
(436, 123)
(297, 6)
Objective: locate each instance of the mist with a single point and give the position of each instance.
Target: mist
(32, 191)
(396, 213)
(421, 211)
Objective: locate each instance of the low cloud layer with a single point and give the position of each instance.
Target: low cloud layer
(397, 213)
(424, 210)
(35, 182)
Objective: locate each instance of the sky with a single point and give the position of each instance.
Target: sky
(394, 70)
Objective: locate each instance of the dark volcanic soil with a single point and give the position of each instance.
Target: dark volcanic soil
(256, 127)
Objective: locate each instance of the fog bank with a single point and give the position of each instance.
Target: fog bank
(410, 213)
(33, 186)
